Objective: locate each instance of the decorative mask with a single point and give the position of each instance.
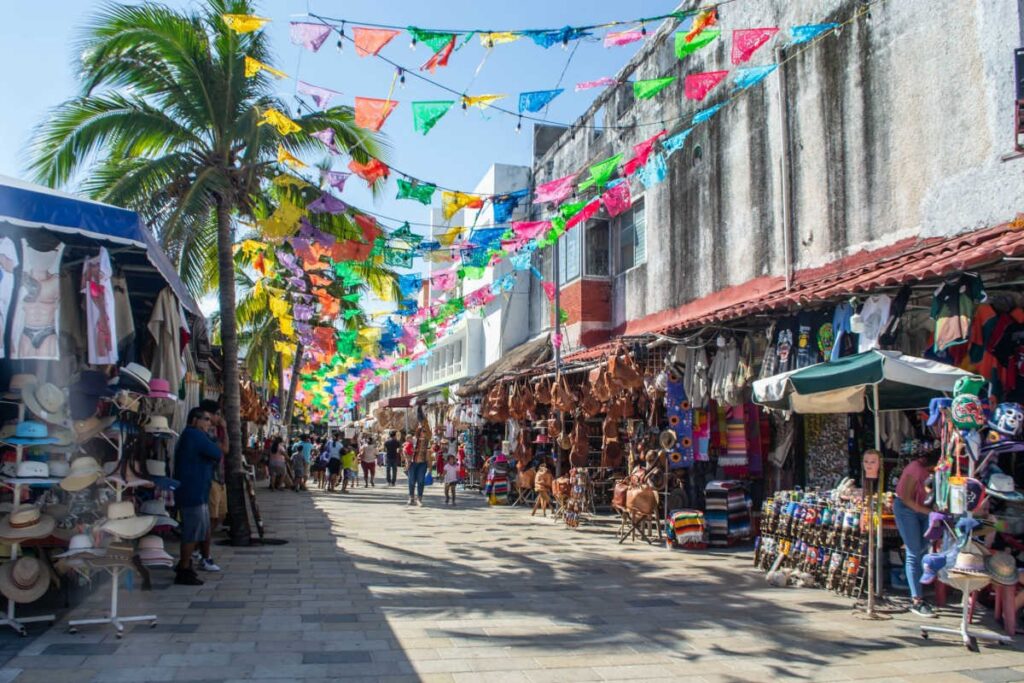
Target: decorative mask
(1008, 419)
(969, 384)
(967, 412)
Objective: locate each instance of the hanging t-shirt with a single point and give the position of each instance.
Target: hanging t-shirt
(8, 262)
(874, 315)
(841, 330)
(36, 325)
(101, 321)
(806, 349)
(953, 308)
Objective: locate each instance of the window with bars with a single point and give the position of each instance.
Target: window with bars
(631, 229)
(569, 256)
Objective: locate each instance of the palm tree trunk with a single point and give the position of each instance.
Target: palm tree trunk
(293, 386)
(232, 402)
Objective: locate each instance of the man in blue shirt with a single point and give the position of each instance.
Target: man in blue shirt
(303, 454)
(195, 458)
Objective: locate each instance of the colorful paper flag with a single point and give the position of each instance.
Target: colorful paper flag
(616, 199)
(619, 38)
(321, 96)
(372, 171)
(412, 189)
(244, 23)
(746, 41)
(309, 36)
(286, 157)
(685, 48)
(493, 38)
(426, 114)
(601, 172)
(646, 89)
(369, 228)
(282, 123)
(452, 202)
(596, 83)
(504, 204)
(546, 39)
(654, 172)
(253, 67)
(480, 101)
(439, 58)
(536, 100)
(326, 136)
(705, 114)
(751, 75)
(673, 144)
(586, 213)
(555, 190)
(808, 32)
(335, 179)
(697, 86)
(327, 203)
(435, 40)
(370, 41)
(704, 20)
(371, 112)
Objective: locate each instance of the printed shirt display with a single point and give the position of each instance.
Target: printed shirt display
(101, 327)
(953, 308)
(8, 262)
(36, 326)
(874, 316)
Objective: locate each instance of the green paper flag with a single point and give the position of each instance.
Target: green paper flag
(350, 313)
(563, 316)
(399, 258)
(352, 297)
(405, 235)
(472, 272)
(569, 210)
(684, 49)
(411, 189)
(602, 172)
(433, 39)
(426, 114)
(645, 90)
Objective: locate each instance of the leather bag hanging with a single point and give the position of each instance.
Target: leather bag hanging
(542, 393)
(580, 445)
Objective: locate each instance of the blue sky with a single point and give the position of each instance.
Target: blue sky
(36, 43)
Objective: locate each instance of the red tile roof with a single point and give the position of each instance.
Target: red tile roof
(901, 263)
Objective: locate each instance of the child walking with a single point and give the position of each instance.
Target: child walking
(451, 478)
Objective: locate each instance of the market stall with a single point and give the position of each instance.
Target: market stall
(97, 351)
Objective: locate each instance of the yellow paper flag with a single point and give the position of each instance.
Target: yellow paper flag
(288, 180)
(284, 348)
(282, 222)
(452, 202)
(278, 307)
(286, 157)
(287, 329)
(450, 235)
(498, 38)
(480, 101)
(244, 23)
(278, 120)
(253, 67)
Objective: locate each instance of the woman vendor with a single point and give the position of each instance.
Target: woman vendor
(912, 521)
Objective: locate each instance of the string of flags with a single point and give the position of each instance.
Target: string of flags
(311, 278)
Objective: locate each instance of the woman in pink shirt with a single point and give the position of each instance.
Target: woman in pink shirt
(912, 521)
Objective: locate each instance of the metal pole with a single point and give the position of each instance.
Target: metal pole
(873, 531)
(558, 347)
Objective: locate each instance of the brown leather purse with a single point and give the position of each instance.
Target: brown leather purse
(611, 455)
(622, 366)
(580, 445)
(543, 392)
(619, 493)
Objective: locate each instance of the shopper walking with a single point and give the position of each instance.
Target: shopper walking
(303, 453)
(368, 461)
(195, 457)
(218, 503)
(348, 468)
(451, 479)
(278, 461)
(392, 456)
(912, 521)
(416, 465)
(496, 488)
(333, 449)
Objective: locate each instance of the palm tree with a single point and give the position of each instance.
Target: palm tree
(166, 124)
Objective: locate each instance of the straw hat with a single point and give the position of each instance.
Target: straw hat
(1002, 486)
(25, 522)
(58, 468)
(135, 377)
(157, 470)
(157, 426)
(970, 561)
(124, 523)
(31, 469)
(151, 551)
(155, 508)
(30, 433)
(81, 544)
(24, 580)
(90, 427)
(1002, 568)
(17, 384)
(133, 480)
(84, 473)
(46, 401)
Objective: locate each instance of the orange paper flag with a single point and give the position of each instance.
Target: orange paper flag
(370, 41)
(440, 58)
(368, 224)
(371, 171)
(372, 112)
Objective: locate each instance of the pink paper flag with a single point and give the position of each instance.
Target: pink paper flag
(586, 213)
(527, 230)
(616, 199)
(549, 289)
(618, 38)
(321, 96)
(745, 42)
(326, 136)
(444, 280)
(643, 149)
(598, 83)
(309, 36)
(697, 86)
(554, 191)
(369, 41)
(556, 340)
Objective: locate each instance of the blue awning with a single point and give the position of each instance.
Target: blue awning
(25, 206)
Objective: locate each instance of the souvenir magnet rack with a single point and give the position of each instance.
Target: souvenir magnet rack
(967, 586)
(116, 571)
(10, 618)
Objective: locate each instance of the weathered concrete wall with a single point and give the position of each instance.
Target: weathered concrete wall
(897, 127)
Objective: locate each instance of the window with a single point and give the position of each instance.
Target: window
(596, 248)
(632, 235)
(569, 257)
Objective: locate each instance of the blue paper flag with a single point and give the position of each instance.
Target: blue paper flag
(563, 35)
(409, 284)
(536, 100)
(751, 75)
(505, 204)
(520, 261)
(807, 32)
(486, 238)
(407, 307)
(654, 171)
(674, 144)
(705, 114)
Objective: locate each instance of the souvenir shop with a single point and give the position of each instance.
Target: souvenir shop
(102, 353)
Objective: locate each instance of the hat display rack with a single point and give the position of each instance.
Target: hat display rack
(138, 404)
(21, 439)
(962, 422)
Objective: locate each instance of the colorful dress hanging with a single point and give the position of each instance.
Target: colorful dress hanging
(680, 421)
(99, 309)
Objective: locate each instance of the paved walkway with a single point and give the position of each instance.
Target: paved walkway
(371, 589)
